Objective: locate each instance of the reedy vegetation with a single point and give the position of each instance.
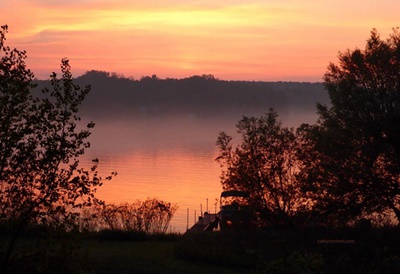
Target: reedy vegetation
(151, 216)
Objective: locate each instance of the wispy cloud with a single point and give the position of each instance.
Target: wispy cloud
(270, 39)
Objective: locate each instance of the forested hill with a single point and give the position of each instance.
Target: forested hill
(197, 96)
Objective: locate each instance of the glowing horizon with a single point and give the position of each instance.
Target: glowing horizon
(233, 40)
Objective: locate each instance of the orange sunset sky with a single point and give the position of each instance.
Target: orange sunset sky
(267, 40)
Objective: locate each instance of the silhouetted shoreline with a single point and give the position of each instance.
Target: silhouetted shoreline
(196, 97)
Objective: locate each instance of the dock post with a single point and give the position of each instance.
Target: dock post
(187, 219)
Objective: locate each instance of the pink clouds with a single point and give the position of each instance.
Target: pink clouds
(250, 40)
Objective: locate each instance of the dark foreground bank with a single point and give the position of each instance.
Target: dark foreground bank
(311, 250)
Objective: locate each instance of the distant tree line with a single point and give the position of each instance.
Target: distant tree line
(115, 96)
(343, 170)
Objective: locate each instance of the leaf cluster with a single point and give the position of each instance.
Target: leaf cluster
(41, 140)
(341, 170)
(265, 165)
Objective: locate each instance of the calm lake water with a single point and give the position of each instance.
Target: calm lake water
(172, 159)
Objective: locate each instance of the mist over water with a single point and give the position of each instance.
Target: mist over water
(160, 134)
(171, 158)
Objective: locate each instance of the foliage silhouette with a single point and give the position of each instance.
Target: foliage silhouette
(352, 169)
(41, 181)
(151, 216)
(264, 164)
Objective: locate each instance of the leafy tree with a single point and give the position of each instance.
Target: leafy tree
(353, 169)
(265, 165)
(41, 181)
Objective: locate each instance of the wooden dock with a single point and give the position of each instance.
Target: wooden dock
(208, 222)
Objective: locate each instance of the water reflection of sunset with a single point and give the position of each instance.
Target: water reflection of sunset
(182, 177)
(234, 40)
